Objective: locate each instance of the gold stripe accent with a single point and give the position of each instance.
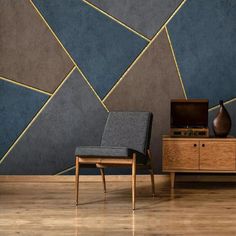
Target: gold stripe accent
(92, 88)
(225, 103)
(176, 64)
(173, 14)
(36, 116)
(41, 16)
(25, 86)
(116, 20)
(66, 170)
(144, 50)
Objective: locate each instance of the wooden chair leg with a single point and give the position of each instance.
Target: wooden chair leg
(103, 179)
(151, 173)
(153, 183)
(134, 181)
(77, 179)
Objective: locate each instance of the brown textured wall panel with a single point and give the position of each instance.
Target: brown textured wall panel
(29, 52)
(149, 86)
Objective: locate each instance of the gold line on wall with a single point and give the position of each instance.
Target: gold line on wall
(41, 16)
(147, 46)
(91, 88)
(172, 15)
(225, 103)
(36, 116)
(25, 86)
(66, 170)
(116, 20)
(176, 64)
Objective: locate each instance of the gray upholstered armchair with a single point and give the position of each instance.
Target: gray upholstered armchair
(125, 141)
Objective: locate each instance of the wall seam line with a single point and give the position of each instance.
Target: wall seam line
(116, 20)
(65, 50)
(36, 116)
(225, 103)
(176, 64)
(143, 51)
(25, 86)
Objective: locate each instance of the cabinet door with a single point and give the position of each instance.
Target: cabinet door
(180, 155)
(217, 155)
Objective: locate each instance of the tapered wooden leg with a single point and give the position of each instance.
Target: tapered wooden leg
(172, 179)
(77, 179)
(134, 181)
(103, 179)
(152, 180)
(151, 173)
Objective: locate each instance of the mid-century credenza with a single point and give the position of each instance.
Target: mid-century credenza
(198, 155)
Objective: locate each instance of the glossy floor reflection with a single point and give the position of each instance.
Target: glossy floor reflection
(48, 209)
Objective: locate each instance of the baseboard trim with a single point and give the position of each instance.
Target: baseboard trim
(117, 178)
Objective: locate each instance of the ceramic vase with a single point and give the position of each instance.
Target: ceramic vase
(222, 122)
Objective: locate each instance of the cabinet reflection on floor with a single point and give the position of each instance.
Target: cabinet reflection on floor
(49, 209)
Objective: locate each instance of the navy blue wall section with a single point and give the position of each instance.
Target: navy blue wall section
(203, 35)
(74, 116)
(100, 46)
(147, 17)
(18, 105)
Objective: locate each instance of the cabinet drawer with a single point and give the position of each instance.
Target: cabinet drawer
(180, 155)
(217, 155)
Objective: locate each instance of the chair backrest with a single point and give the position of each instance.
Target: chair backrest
(128, 129)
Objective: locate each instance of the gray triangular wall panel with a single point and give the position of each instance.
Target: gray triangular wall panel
(146, 17)
(73, 117)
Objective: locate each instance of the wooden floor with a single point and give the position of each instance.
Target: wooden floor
(48, 209)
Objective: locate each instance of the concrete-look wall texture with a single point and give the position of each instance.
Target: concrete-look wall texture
(64, 64)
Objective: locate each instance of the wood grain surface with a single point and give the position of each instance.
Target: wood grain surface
(217, 155)
(48, 209)
(180, 155)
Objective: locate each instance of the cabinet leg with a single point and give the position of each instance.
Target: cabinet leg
(172, 179)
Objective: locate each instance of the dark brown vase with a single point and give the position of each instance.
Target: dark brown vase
(222, 122)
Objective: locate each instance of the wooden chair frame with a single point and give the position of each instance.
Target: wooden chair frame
(102, 163)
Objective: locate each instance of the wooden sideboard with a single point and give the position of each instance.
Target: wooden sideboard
(198, 155)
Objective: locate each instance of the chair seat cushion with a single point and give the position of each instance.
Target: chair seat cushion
(111, 152)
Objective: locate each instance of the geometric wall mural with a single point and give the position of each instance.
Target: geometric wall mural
(149, 86)
(18, 105)
(203, 35)
(72, 117)
(29, 52)
(65, 63)
(146, 17)
(100, 46)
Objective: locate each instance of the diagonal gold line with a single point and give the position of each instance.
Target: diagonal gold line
(25, 86)
(66, 170)
(144, 50)
(41, 16)
(91, 87)
(116, 20)
(173, 14)
(176, 64)
(226, 102)
(36, 116)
